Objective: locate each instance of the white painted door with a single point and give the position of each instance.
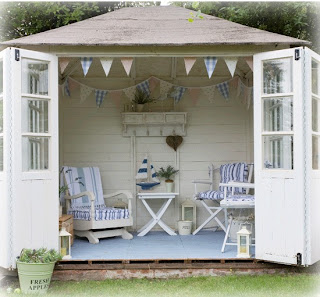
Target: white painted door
(31, 150)
(279, 151)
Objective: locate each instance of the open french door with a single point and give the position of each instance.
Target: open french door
(284, 113)
(30, 152)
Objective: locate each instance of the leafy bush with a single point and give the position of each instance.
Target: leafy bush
(141, 97)
(41, 255)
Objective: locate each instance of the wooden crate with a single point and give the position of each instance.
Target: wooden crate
(68, 222)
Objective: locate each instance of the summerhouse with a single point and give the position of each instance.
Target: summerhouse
(232, 93)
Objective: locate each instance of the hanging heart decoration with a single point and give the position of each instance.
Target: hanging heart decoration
(174, 141)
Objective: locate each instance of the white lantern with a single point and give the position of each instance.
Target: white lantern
(244, 242)
(65, 243)
(189, 212)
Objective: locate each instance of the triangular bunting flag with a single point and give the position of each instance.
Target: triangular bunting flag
(63, 63)
(84, 93)
(224, 89)
(127, 63)
(66, 87)
(189, 62)
(130, 92)
(177, 93)
(106, 65)
(194, 94)
(249, 61)
(100, 96)
(153, 81)
(73, 84)
(144, 87)
(116, 97)
(234, 82)
(211, 63)
(209, 93)
(164, 87)
(232, 64)
(86, 63)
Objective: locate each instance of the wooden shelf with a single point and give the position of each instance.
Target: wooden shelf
(154, 123)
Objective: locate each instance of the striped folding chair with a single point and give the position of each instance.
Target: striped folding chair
(234, 172)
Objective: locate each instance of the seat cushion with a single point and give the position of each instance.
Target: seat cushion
(102, 213)
(234, 172)
(211, 195)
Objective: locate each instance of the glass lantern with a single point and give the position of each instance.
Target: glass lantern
(65, 243)
(244, 242)
(189, 211)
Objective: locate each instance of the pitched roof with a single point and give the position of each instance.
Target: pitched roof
(155, 25)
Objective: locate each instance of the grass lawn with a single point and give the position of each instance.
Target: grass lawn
(302, 285)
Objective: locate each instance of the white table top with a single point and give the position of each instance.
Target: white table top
(153, 195)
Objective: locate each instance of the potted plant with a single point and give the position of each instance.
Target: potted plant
(140, 99)
(35, 268)
(167, 173)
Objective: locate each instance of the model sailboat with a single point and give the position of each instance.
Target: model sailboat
(146, 176)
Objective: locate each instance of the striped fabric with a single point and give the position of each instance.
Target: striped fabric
(100, 96)
(228, 172)
(81, 180)
(143, 170)
(178, 93)
(101, 213)
(224, 89)
(86, 63)
(211, 63)
(234, 172)
(66, 88)
(144, 87)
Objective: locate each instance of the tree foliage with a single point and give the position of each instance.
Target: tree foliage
(296, 19)
(18, 19)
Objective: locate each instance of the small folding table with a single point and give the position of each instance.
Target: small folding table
(156, 217)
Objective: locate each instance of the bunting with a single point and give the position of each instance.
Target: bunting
(127, 63)
(100, 96)
(63, 63)
(130, 92)
(249, 61)
(164, 87)
(194, 94)
(224, 90)
(66, 87)
(188, 63)
(144, 87)
(209, 92)
(211, 63)
(231, 64)
(116, 97)
(106, 65)
(84, 93)
(153, 82)
(86, 63)
(177, 94)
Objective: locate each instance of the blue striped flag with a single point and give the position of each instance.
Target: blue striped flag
(177, 94)
(100, 96)
(86, 63)
(144, 87)
(224, 89)
(211, 63)
(66, 87)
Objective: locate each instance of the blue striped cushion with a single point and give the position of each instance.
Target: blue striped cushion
(82, 180)
(234, 172)
(102, 213)
(211, 195)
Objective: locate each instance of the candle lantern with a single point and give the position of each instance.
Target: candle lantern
(244, 242)
(189, 210)
(65, 243)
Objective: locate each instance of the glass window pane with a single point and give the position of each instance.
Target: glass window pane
(278, 152)
(315, 152)
(1, 77)
(35, 116)
(1, 153)
(35, 153)
(277, 76)
(315, 115)
(34, 77)
(315, 78)
(278, 114)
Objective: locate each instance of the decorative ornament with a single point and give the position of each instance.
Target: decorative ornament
(211, 63)
(106, 65)
(86, 63)
(174, 141)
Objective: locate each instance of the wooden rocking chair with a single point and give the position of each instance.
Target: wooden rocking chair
(86, 202)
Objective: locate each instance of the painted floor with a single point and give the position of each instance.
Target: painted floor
(155, 245)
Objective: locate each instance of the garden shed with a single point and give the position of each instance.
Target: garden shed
(233, 93)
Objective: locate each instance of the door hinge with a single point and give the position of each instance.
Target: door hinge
(299, 259)
(297, 54)
(17, 55)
